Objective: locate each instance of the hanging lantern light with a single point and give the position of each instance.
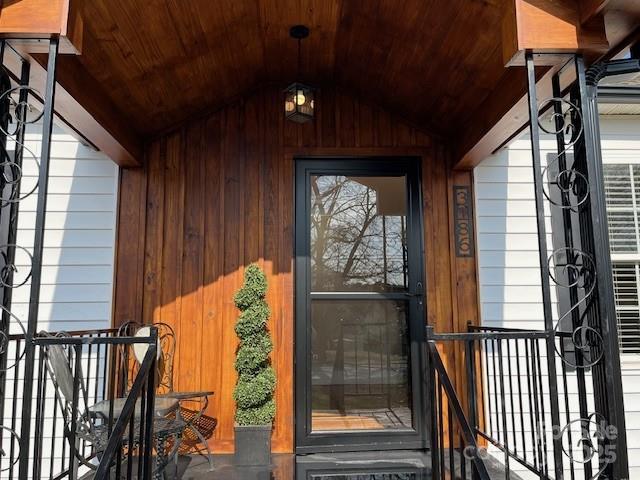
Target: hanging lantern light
(298, 101)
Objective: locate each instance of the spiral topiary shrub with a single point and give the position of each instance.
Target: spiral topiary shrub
(256, 379)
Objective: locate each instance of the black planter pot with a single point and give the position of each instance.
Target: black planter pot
(253, 445)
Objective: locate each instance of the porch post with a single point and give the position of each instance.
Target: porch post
(544, 265)
(9, 209)
(580, 268)
(36, 263)
(609, 401)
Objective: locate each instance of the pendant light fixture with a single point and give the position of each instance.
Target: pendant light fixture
(298, 102)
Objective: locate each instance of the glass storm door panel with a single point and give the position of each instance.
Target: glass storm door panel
(359, 305)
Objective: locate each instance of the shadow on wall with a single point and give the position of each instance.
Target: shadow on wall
(77, 272)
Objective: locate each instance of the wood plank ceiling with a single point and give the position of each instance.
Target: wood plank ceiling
(164, 61)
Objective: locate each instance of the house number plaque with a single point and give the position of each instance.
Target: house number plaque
(463, 220)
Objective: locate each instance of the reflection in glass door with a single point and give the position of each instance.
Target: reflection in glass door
(359, 304)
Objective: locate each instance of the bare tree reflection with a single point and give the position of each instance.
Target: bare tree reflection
(359, 349)
(353, 245)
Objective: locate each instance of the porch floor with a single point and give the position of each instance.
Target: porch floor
(414, 465)
(396, 465)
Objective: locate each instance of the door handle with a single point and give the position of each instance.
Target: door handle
(419, 293)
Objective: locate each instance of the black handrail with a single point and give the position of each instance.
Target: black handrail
(514, 392)
(510, 402)
(480, 333)
(468, 449)
(144, 379)
(67, 434)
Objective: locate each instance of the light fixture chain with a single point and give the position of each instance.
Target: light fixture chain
(299, 57)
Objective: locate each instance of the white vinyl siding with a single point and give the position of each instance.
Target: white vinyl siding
(508, 256)
(77, 273)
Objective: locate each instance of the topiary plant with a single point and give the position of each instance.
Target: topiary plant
(253, 394)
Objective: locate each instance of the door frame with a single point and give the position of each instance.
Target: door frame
(417, 438)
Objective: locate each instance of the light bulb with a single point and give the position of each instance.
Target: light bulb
(289, 106)
(300, 98)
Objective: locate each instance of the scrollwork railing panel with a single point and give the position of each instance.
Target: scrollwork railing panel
(579, 341)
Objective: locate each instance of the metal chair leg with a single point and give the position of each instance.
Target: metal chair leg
(172, 457)
(206, 446)
(161, 458)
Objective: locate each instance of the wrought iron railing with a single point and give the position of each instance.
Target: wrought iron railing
(454, 447)
(516, 402)
(129, 450)
(507, 399)
(582, 339)
(550, 401)
(49, 447)
(21, 267)
(75, 398)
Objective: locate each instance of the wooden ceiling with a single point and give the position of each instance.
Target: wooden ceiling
(163, 61)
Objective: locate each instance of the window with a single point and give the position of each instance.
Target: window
(625, 280)
(622, 189)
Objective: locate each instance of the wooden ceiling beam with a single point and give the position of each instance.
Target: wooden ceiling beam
(32, 21)
(590, 8)
(549, 26)
(81, 104)
(499, 118)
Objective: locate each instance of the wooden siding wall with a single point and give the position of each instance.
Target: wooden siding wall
(217, 194)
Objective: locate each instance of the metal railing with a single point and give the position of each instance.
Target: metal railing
(582, 349)
(508, 400)
(131, 441)
(22, 366)
(550, 401)
(454, 447)
(517, 406)
(74, 397)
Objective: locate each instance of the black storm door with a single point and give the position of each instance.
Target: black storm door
(359, 305)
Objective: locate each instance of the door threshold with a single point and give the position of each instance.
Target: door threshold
(411, 464)
(417, 458)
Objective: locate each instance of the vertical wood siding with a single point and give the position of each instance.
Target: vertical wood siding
(217, 194)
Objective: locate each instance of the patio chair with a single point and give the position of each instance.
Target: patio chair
(192, 405)
(93, 424)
